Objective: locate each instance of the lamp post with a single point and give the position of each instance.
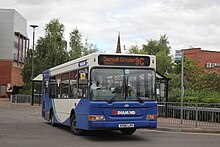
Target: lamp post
(32, 64)
(182, 87)
(32, 59)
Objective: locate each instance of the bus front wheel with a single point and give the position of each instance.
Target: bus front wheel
(73, 128)
(52, 118)
(128, 131)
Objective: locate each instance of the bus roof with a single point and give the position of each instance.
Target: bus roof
(92, 60)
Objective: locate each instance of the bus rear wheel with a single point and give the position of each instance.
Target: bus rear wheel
(128, 131)
(73, 128)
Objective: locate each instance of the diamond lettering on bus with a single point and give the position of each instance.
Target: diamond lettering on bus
(115, 112)
(121, 112)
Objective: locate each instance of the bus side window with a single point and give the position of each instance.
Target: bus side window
(65, 85)
(46, 85)
(58, 83)
(52, 87)
(73, 85)
(83, 83)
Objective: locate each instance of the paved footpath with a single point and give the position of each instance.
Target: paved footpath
(187, 128)
(172, 124)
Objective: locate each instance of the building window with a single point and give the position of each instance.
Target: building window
(209, 65)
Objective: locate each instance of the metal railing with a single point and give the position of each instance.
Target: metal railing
(197, 114)
(15, 99)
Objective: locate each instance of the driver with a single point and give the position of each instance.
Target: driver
(95, 85)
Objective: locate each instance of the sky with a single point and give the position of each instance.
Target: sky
(187, 23)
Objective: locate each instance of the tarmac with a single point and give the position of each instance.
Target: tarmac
(164, 124)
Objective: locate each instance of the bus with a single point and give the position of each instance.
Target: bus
(124, 98)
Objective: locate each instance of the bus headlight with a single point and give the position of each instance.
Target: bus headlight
(96, 117)
(151, 117)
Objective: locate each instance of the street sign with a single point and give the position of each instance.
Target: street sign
(178, 55)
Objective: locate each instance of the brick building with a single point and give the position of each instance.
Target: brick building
(13, 47)
(210, 60)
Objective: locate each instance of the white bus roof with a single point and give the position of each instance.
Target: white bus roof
(91, 60)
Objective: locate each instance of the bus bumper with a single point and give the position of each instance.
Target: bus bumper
(93, 125)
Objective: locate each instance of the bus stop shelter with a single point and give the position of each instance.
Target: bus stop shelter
(36, 88)
(162, 84)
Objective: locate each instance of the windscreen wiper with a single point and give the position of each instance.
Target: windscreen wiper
(139, 99)
(117, 90)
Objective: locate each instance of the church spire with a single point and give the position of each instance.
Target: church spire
(118, 48)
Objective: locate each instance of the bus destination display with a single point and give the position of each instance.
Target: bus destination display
(123, 60)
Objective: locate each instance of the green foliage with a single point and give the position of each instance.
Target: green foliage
(204, 88)
(194, 96)
(161, 49)
(151, 47)
(75, 44)
(174, 94)
(164, 62)
(26, 71)
(135, 50)
(51, 50)
(155, 46)
(191, 99)
(199, 85)
(26, 89)
(89, 48)
(77, 48)
(175, 81)
(210, 81)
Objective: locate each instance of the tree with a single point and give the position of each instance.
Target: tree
(75, 44)
(135, 50)
(210, 81)
(164, 62)
(161, 49)
(200, 86)
(155, 46)
(77, 48)
(89, 48)
(192, 74)
(51, 50)
(26, 71)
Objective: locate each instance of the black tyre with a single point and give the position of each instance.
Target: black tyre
(128, 131)
(73, 128)
(52, 119)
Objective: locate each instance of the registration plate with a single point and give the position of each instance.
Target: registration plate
(126, 125)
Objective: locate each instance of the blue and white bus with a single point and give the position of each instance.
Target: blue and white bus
(124, 100)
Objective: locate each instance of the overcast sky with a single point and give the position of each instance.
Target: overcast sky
(187, 23)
